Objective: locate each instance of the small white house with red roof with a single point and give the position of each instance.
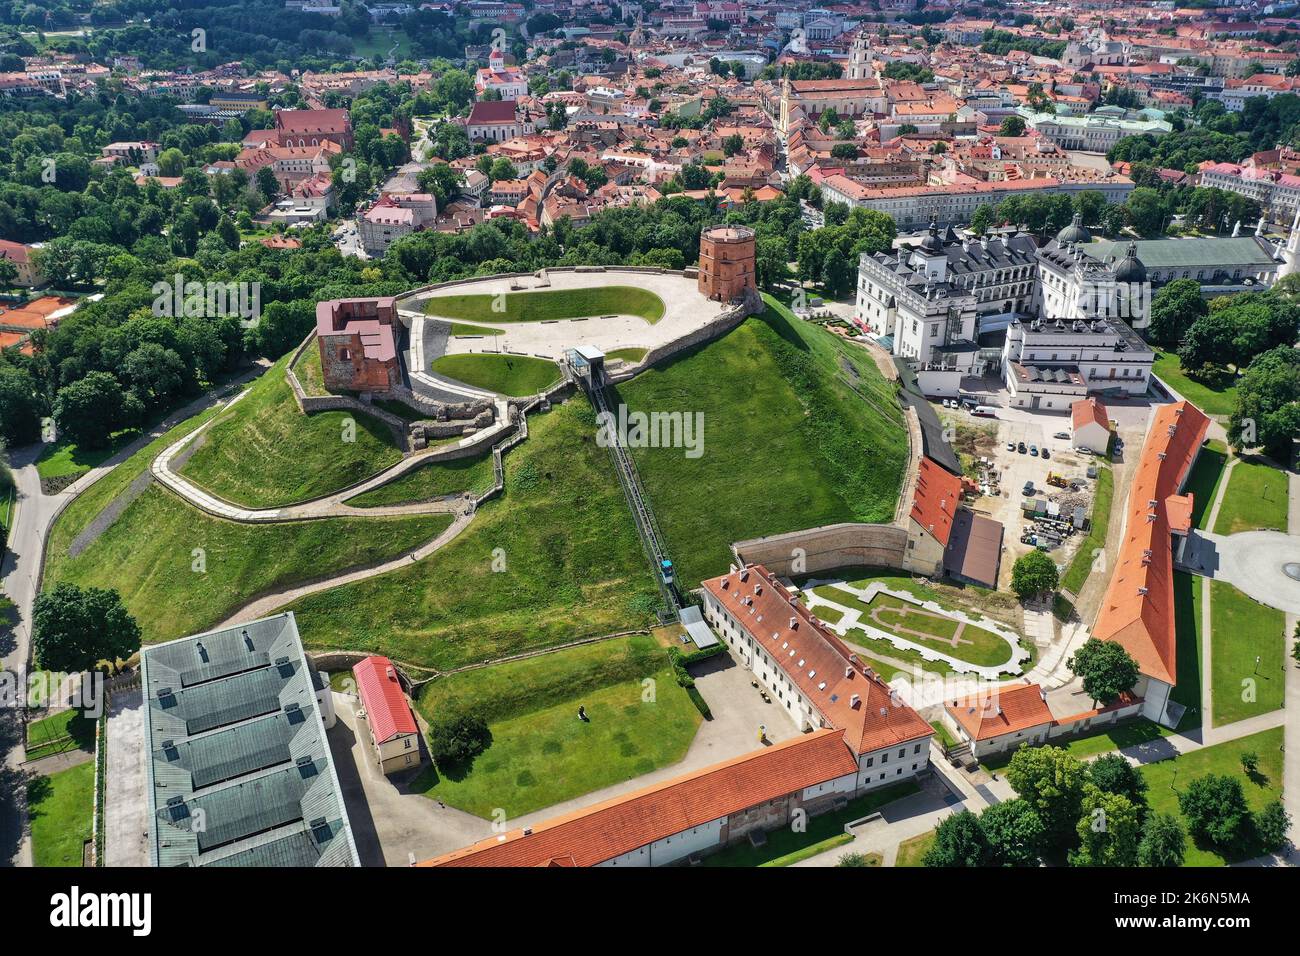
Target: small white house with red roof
(394, 735)
(1091, 425)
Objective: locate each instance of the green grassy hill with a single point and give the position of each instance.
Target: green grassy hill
(568, 562)
(513, 375)
(788, 444)
(149, 553)
(264, 453)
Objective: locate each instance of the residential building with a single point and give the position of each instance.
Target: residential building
(393, 216)
(1090, 425)
(29, 274)
(394, 735)
(238, 769)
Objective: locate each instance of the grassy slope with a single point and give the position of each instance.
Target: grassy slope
(786, 444)
(147, 554)
(1081, 565)
(1223, 758)
(265, 453)
(1187, 627)
(310, 374)
(573, 565)
(1256, 497)
(1242, 630)
(434, 480)
(550, 304)
(62, 808)
(513, 375)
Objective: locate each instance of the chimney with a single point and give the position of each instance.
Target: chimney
(392, 674)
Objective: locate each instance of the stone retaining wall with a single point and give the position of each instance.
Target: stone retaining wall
(826, 548)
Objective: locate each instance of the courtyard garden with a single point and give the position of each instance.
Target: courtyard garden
(1203, 483)
(1248, 655)
(512, 375)
(950, 636)
(541, 753)
(787, 407)
(1215, 395)
(548, 305)
(264, 453)
(1188, 630)
(555, 558)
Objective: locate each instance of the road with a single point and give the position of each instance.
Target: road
(19, 575)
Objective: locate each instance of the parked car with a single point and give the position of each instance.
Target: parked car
(1033, 450)
(1020, 447)
(1045, 453)
(1028, 489)
(1011, 446)
(1064, 436)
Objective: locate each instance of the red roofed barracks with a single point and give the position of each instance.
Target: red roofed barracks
(1138, 609)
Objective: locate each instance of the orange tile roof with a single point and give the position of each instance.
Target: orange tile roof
(935, 501)
(846, 692)
(1138, 609)
(623, 824)
(1088, 410)
(1004, 710)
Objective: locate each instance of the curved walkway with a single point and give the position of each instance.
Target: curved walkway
(272, 601)
(330, 506)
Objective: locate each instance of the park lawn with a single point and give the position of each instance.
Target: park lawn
(1187, 629)
(1163, 776)
(1081, 565)
(549, 305)
(463, 328)
(505, 690)
(61, 731)
(512, 375)
(148, 554)
(62, 810)
(912, 851)
(437, 479)
(986, 650)
(1256, 497)
(308, 369)
(777, 416)
(1203, 483)
(65, 459)
(823, 832)
(862, 642)
(1240, 631)
(569, 562)
(265, 453)
(546, 756)
(1128, 733)
(1213, 398)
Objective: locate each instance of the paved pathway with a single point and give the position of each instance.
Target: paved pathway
(330, 506)
(268, 603)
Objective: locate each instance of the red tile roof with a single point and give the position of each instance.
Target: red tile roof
(1088, 410)
(846, 692)
(492, 111)
(381, 695)
(1004, 710)
(1138, 609)
(935, 500)
(623, 824)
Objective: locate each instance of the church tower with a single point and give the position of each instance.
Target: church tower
(859, 59)
(1291, 251)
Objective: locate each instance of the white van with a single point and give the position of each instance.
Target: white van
(985, 411)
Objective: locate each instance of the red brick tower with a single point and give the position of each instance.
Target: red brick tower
(726, 262)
